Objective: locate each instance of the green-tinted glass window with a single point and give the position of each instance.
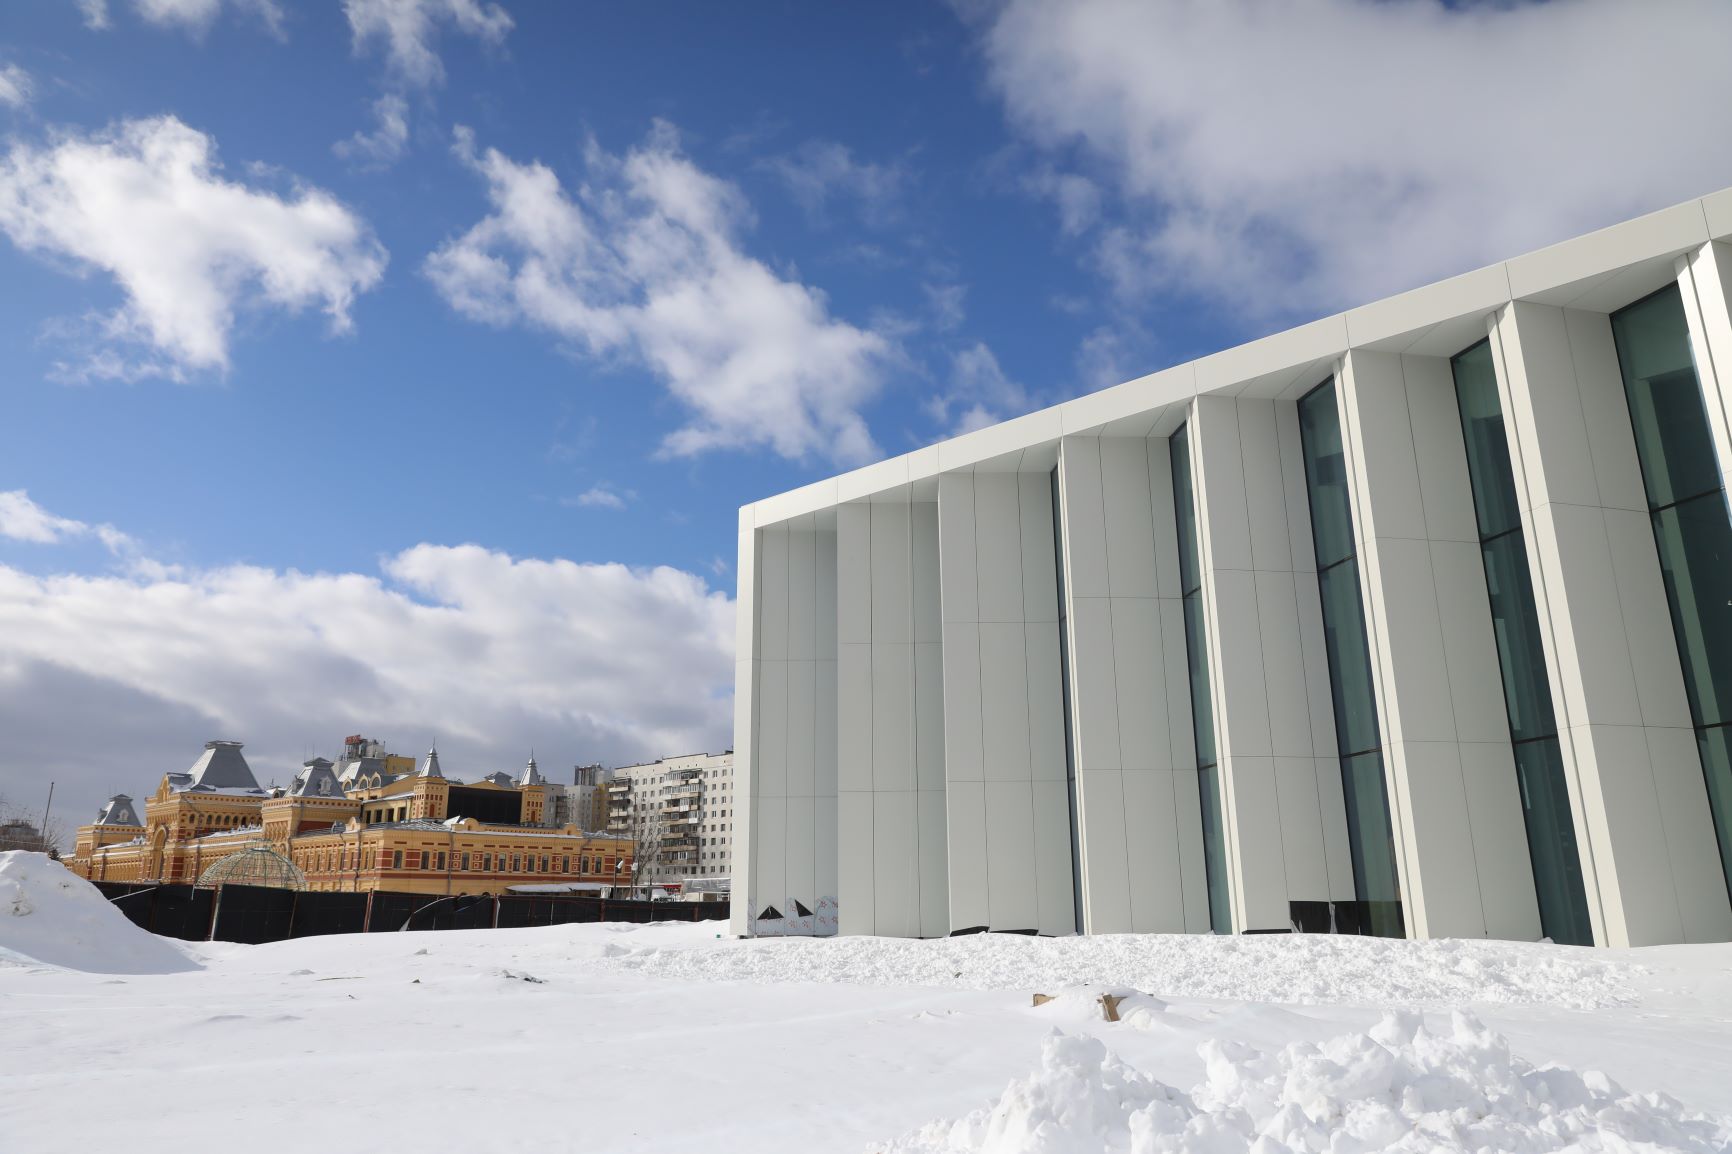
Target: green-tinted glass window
(1716, 747)
(1515, 619)
(1692, 533)
(1368, 829)
(1349, 659)
(1326, 476)
(1197, 662)
(1214, 849)
(1520, 649)
(1666, 409)
(1494, 491)
(1184, 510)
(1197, 658)
(1551, 829)
(1695, 544)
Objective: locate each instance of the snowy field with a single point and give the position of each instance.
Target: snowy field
(671, 1038)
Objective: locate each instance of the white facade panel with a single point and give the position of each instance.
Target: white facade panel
(965, 837)
(1012, 901)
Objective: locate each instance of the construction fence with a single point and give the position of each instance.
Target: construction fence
(256, 914)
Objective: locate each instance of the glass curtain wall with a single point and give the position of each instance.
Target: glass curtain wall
(1197, 659)
(1064, 690)
(1692, 531)
(1371, 841)
(1533, 728)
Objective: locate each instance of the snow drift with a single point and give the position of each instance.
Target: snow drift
(1398, 1086)
(1306, 969)
(49, 914)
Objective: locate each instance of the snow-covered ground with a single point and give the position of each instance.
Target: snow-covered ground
(672, 1038)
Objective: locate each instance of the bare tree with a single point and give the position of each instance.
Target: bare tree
(21, 829)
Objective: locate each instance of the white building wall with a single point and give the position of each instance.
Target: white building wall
(1007, 815)
(1465, 868)
(1286, 824)
(1140, 823)
(889, 721)
(951, 805)
(1624, 720)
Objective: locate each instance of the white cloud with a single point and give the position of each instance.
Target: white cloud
(947, 302)
(821, 170)
(383, 146)
(146, 202)
(22, 519)
(600, 497)
(16, 87)
(193, 16)
(95, 13)
(979, 393)
(410, 28)
(488, 653)
(1300, 156)
(642, 263)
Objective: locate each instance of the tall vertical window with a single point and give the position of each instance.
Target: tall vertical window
(1371, 842)
(1687, 506)
(1515, 620)
(1064, 702)
(1197, 660)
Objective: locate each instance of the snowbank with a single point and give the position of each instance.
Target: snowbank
(1397, 1087)
(49, 914)
(1305, 969)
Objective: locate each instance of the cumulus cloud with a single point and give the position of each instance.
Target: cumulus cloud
(384, 146)
(642, 262)
(1291, 157)
(823, 170)
(487, 653)
(600, 497)
(409, 30)
(22, 519)
(147, 203)
(978, 394)
(16, 87)
(95, 13)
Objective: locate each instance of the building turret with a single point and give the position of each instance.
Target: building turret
(532, 775)
(118, 811)
(430, 767)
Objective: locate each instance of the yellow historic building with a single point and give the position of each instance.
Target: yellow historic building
(373, 821)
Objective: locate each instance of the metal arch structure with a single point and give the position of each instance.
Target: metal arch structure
(258, 864)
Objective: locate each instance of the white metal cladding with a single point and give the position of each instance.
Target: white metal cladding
(927, 740)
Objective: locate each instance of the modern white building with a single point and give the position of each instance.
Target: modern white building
(680, 811)
(1415, 620)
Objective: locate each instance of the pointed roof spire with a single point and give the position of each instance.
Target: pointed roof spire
(430, 767)
(532, 775)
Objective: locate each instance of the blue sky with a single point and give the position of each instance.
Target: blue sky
(399, 365)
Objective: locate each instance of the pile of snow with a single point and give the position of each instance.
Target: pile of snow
(1397, 1087)
(1303, 969)
(49, 914)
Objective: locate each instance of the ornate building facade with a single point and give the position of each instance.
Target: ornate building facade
(373, 821)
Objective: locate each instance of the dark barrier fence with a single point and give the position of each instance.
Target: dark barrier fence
(256, 914)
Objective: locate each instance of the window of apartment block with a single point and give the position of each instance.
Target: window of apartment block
(397, 859)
